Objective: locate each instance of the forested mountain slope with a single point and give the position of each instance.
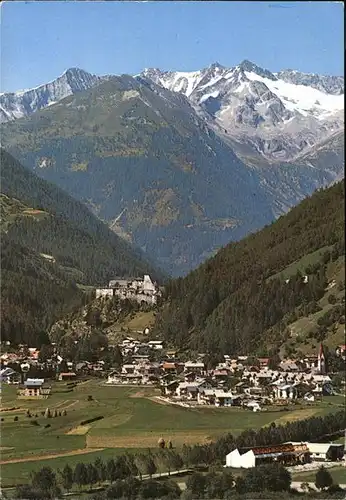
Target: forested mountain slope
(240, 300)
(50, 244)
(152, 165)
(141, 159)
(72, 234)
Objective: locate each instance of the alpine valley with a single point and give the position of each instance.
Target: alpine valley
(53, 250)
(180, 163)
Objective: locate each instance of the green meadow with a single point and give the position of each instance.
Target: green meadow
(132, 419)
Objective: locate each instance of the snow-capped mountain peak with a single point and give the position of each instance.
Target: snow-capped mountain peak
(289, 108)
(329, 84)
(253, 68)
(25, 102)
(279, 113)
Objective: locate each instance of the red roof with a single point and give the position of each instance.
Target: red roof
(221, 372)
(168, 365)
(282, 448)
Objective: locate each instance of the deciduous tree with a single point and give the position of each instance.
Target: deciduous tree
(323, 478)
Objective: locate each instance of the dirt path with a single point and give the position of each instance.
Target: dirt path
(17, 408)
(156, 399)
(61, 403)
(71, 404)
(138, 394)
(46, 457)
(84, 382)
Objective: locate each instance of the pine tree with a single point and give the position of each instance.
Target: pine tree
(67, 477)
(323, 478)
(80, 475)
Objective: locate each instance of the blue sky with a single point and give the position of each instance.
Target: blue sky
(39, 40)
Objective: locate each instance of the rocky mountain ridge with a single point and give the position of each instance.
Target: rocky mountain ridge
(162, 173)
(275, 115)
(15, 105)
(278, 115)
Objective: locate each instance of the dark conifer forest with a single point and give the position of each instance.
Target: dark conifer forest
(50, 246)
(238, 301)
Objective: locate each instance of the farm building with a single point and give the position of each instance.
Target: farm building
(34, 388)
(323, 452)
(287, 454)
(326, 451)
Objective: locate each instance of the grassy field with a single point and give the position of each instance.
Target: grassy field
(303, 329)
(338, 475)
(301, 264)
(132, 420)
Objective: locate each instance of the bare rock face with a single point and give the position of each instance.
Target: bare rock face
(278, 115)
(25, 102)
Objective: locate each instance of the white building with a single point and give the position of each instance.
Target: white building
(191, 366)
(190, 390)
(104, 292)
(285, 391)
(114, 378)
(218, 397)
(323, 452)
(155, 344)
(142, 290)
(254, 406)
(240, 461)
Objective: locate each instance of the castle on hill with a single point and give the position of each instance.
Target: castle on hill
(139, 289)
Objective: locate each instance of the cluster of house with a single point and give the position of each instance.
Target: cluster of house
(232, 382)
(289, 454)
(254, 389)
(25, 358)
(191, 382)
(139, 289)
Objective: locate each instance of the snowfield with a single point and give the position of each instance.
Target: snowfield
(302, 98)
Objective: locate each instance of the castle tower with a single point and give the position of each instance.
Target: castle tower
(321, 360)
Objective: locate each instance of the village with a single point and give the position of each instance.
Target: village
(197, 381)
(245, 381)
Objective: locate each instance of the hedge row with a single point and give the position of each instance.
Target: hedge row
(90, 420)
